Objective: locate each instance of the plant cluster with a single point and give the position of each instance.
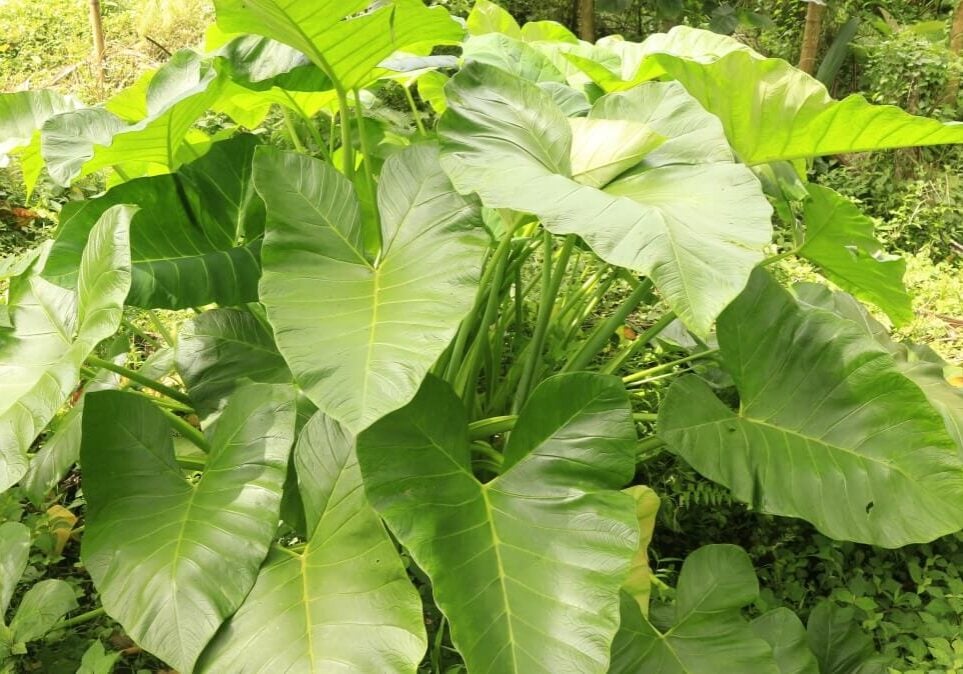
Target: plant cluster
(392, 431)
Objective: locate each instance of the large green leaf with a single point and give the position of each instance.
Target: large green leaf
(340, 37)
(343, 604)
(54, 330)
(217, 350)
(77, 143)
(358, 335)
(839, 239)
(828, 429)
(526, 567)
(14, 551)
(196, 239)
(706, 633)
(696, 224)
(22, 113)
(171, 559)
(772, 111)
(918, 362)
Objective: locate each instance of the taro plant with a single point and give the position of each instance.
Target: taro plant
(401, 385)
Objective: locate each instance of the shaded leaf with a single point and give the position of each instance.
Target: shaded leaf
(14, 551)
(784, 632)
(42, 607)
(196, 239)
(218, 349)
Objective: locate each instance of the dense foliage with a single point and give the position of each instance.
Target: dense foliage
(391, 431)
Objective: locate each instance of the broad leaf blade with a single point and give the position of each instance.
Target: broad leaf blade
(195, 239)
(783, 631)
(54, 330)
(173, 560)
(696, 228)
(829, 429)
(22, 113)
(14, 551)
(345, 603)
(42, 607)
(218, 349)
(708, 633)
(360, 337)
(341, 38)
(736, 84)
(523, 610)
(77, 143)
(839, 239)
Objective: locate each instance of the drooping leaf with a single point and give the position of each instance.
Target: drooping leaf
(737, 85)
(707, 633)
(77, 143)
(14, 551)
(784, 632)
(526, 567)
(54, 330)
(839, 239)
(220, 348)
(841, 647)
(196, 238)
(172, 560)
(42, 607)
(339, 36)
(829, 429)
(638, 583)
(358, 335)
(22, 113)
(696, 228)
(343, 604)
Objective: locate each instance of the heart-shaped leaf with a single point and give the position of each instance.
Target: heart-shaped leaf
(345, 602)
(173, 559)
(828, 429)
(360, 335)
(526, 567)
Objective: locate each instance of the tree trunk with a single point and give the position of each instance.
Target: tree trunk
(586, 20)
(97, 28)
(956, 47)
(811, 35)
